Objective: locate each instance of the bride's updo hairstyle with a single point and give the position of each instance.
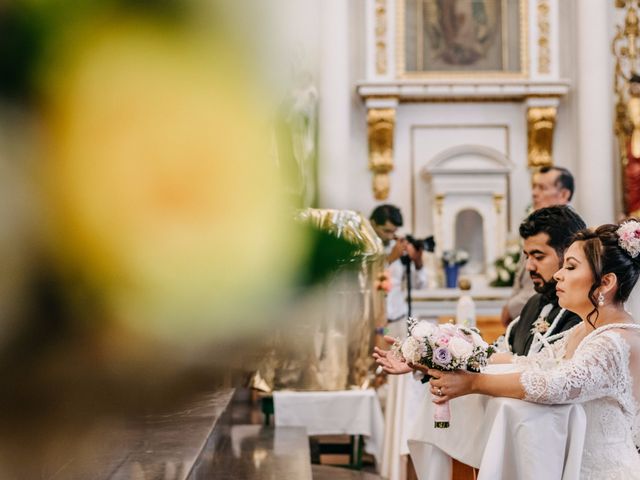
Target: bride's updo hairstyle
(612, 249)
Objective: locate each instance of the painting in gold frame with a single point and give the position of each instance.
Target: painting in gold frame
(445, 37)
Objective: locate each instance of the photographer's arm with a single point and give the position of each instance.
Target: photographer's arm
(416, 255)
(418, 274)
(398, 249)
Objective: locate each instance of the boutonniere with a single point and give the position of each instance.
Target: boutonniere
(541, 325)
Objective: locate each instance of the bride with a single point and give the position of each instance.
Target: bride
(597, 363)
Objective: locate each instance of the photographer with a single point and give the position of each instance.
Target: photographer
(402, 394)
(386, 219)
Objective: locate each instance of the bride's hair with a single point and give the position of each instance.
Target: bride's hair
(606, 253)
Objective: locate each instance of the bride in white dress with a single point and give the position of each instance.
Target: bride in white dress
(596, 364)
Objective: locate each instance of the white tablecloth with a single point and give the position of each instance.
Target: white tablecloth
(404, 398)
(504, 438)
(349, 412)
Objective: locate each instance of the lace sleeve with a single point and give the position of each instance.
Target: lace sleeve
(547, 358)
(596, 370)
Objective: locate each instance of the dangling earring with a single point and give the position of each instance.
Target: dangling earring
(601, 300)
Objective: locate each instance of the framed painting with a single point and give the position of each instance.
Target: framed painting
(444, 37)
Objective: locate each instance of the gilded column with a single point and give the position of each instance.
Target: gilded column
(541, 121)
(381, 123)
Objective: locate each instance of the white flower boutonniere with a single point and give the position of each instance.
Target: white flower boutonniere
(541, 325)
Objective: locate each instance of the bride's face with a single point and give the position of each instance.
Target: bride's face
(574, 280)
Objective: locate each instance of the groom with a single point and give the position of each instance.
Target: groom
(546, 233)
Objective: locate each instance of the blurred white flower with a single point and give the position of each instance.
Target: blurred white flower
(513, 249)
(411, 350)
(423, 329)
(503, 275)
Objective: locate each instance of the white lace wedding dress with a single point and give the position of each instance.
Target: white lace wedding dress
(600, 376)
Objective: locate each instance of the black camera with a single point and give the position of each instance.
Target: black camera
(427, 244)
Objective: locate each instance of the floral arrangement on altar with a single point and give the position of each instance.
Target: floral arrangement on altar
(443, 347)
(505, 267)
(455, 257)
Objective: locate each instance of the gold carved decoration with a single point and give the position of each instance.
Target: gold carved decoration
(381, 123)
(498, 198)
(380, 36)
(540, 124)
(439, 203)
(544, 29)
(626, 84)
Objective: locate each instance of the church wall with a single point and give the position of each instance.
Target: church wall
(344, 178)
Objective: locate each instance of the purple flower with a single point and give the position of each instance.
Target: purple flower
(442, 356)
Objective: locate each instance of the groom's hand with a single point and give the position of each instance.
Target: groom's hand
(389, 362)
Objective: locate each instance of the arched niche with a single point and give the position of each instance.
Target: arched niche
(470, 183)
(469, 236)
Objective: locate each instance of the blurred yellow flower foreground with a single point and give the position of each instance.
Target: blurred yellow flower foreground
(163, 196)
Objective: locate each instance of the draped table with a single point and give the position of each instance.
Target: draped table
(503, 437)
(345, 412)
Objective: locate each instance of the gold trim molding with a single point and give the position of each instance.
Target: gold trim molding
(381, 36)
(626, 86)
(381, 124)
(544, 29)
(498, 199)
(439, 202)
(540, 124)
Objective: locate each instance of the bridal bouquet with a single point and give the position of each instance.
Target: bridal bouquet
(443, 347)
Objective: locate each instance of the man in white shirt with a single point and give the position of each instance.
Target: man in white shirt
(386, 220)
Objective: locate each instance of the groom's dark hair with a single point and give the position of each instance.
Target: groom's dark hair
(560, 222)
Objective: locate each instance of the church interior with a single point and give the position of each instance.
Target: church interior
(193, 281)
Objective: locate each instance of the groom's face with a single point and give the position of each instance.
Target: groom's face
(542, 261)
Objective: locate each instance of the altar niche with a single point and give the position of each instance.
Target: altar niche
(469, 236)
(467, 187)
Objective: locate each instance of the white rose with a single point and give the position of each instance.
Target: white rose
(423, 329)
(411, 350)
(478, 341)
(504, 275)
(513, 249)
(460, 348)
(508, 261)
(492, 274)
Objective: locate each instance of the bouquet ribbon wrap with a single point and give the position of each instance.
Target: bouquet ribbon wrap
(441, 415)
(444, 347)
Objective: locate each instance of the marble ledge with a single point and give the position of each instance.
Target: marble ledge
(451, 294)
(471, 89)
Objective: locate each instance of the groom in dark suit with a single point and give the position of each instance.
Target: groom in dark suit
(546, 233)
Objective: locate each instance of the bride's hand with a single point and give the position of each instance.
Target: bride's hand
(448, 385)
(389, 362)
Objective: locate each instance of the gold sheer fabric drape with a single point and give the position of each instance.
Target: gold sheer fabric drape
(327, 342)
